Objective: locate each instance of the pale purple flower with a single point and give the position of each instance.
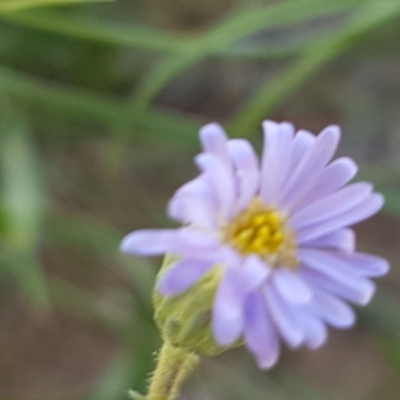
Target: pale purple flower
(278, 231)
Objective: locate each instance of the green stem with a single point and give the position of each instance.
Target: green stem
(173, 367)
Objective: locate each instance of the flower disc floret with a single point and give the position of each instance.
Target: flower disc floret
(262, 231)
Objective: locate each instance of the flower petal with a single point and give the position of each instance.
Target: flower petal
(283, 317)
(193, 243)
(182, 276)
(302, 143)
(221, 179)
(227, 316)
(332, 178)
(332, 205)
(228, 306)
(333, 311)
(247, 170)
(194, 203)
(229, 257)
(314, 329)
(310, 167)
(251, 274)
(342, 239)
(360, 290)
(362, 264)
(367, 208)
(276, 159)
(214, 139)
(242, 154)
(291, 286)
(259, 330)
(194, 210)
(149, 242)
(356, 291)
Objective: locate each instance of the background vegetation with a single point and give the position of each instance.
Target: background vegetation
(100, 103)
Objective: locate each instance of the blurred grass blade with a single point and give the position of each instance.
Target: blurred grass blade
(170, 128)
(98, 30)
(237, 27)
(244, 23)
(216, 41)
(22, 205)
(115, 381)
(187, 52)
(16, 5)
(119, 34)
(22, 197)
(272, 93)
(268, 52)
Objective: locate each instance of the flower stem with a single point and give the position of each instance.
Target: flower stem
(173, 367)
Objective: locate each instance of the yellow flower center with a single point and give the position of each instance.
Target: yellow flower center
(262, 230)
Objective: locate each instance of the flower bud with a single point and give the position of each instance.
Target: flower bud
(185, 320)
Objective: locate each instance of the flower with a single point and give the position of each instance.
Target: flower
(277, 232)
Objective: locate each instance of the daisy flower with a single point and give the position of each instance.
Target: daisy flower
(278, 231)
